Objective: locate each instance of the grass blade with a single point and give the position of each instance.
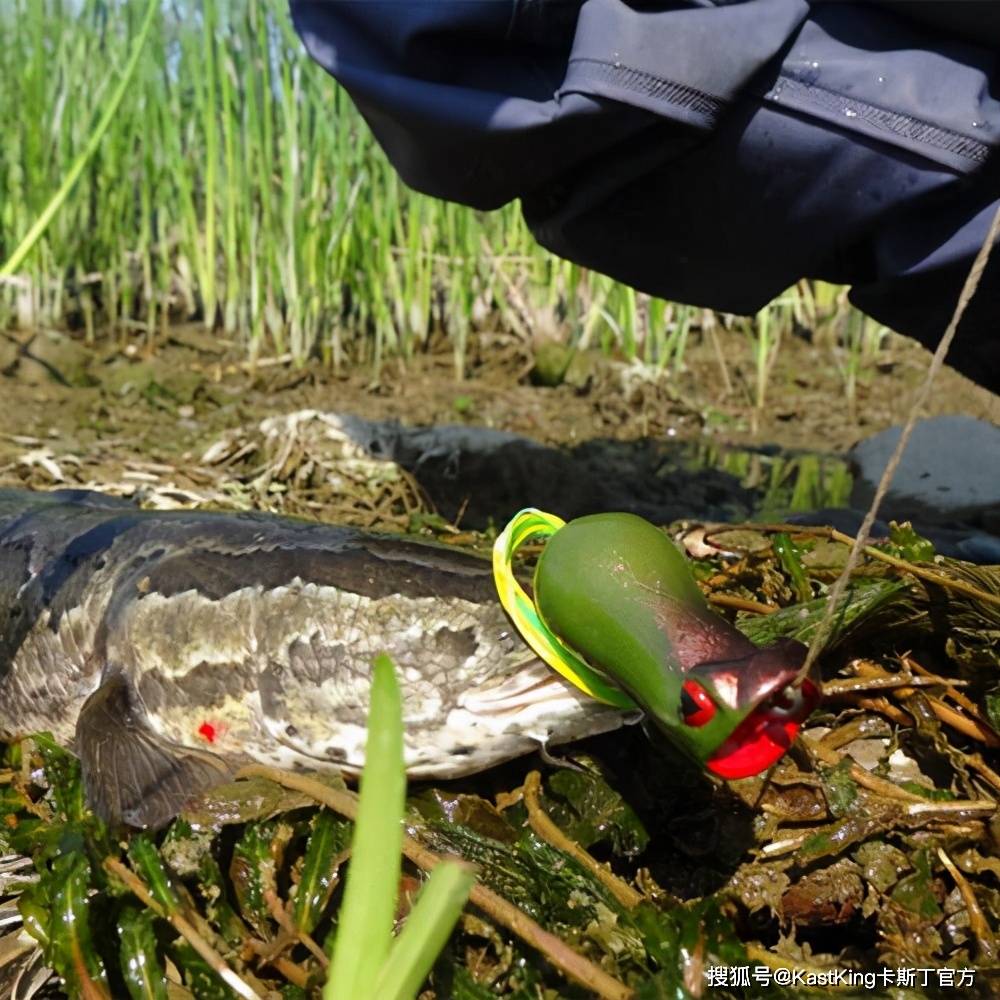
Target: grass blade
(73, 174)
(364, 933)
(426, 931)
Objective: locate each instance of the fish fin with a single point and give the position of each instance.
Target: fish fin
(132, 775)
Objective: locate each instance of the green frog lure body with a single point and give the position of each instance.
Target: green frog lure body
(617, 612)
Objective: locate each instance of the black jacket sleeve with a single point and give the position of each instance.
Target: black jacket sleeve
(708, 152)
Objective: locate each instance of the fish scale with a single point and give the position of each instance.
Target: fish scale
(169, 647)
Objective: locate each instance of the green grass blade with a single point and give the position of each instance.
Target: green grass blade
(142, 968)
(73, 174)
(364, 933)
(426, 931)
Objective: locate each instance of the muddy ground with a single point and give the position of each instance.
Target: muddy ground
(142, 417)
(834, 862)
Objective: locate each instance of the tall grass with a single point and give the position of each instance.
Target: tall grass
(236, 185)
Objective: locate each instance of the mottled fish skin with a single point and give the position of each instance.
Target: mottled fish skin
(252, 636)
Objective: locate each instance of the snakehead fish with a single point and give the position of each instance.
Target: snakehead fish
(168, 647)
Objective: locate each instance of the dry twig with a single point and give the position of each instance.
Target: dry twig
(542, 824)
(573, 966)
(180, 924)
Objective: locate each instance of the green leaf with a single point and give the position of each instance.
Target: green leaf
(35, 915)
(369, 905)
(934, 794)
(243, 802)
(840, 789)
(463, 404)
(993, 708)
(463, 987)
(71, 948)
(426, 931)
(62, 770)
(254, 867)
(141, 967)
(914, 891)
(199, 977)
(589, 811)
(441, 806)
(905, 543)
(881, 863)
(800, 621)
(150, 868)
(188, 852)
(323, 858)
(788, 554)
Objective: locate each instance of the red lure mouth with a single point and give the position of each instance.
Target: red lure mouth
(765, 734)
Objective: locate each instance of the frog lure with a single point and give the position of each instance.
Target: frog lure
(615, 588)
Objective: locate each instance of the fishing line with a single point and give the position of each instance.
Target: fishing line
(968, 290)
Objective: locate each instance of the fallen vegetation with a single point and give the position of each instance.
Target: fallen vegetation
(870, 846)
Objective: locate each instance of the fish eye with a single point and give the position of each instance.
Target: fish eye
(786, 702)
(697, 708)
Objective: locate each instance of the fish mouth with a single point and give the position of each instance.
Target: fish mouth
(766, 733)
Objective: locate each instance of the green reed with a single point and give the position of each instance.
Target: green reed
(368, 961)
(236, 185)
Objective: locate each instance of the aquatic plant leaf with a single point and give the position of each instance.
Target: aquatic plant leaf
(463, 987)
(32, 904)
(199, 977)
(507, 871)
(617, 937)
(589, 811)
(33, 837)
(839, 788)
(672, 937)
(369, 905)
(183, 847)
(257, 856)
(933, 794)
(905, 543)
(914, 890)
(789, 556)
(837, 837)
(422, 522)
(246, 801)
(146, 861)
(470, 811)
(881, 863)
(800, 621)
(62, 770)
(188, 853)
(71, 950)
(141, 967)
(968, 625)
(663, 985)
(543, 882)
(215, 891)
(328, 840)
(992, 703)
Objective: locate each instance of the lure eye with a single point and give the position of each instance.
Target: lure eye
(697, 708)
(786, 703)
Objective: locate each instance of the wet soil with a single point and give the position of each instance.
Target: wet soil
(123, 412)
(191, 421)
